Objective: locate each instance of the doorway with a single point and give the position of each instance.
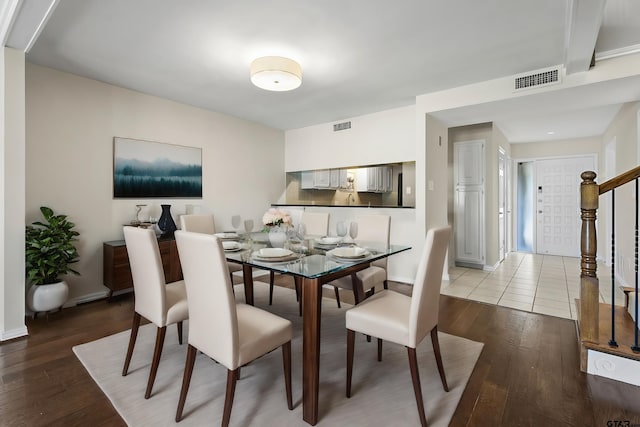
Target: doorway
(548, 197)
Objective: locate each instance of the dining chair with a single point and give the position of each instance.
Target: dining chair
(405, 320)
(205, 224)
(161, 303)
(229, 333)
(316, 224)
(371, 229)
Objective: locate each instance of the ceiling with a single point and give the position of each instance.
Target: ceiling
(357, 56)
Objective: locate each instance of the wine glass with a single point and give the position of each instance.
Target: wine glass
(236, 221)
(248, 228)
(301, 231)
(341, 229)
(353, 230)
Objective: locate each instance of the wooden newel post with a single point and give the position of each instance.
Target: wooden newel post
(589, 289)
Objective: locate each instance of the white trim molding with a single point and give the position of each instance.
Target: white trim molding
(14, 333)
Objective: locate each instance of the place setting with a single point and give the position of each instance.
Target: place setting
(275, 255)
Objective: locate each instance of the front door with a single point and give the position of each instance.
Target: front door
(558, 204)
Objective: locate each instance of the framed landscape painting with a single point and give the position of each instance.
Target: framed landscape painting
(145, 169)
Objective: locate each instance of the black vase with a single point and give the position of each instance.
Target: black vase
(165, 223)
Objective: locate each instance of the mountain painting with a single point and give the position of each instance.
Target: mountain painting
(145, 169)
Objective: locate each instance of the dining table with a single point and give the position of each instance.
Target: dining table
(312, 264)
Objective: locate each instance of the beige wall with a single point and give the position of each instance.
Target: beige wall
(71, 122)
(624, 128)
(12, 184)
(566, 147)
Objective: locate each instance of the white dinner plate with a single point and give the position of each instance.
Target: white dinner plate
(350, 252)
(273, 253)
(227, 235)
(329, 240)
(230, 245)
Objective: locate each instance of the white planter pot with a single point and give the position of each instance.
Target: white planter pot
(47, 297)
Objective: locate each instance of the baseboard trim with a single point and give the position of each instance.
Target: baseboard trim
(14, 333)
(86, 298)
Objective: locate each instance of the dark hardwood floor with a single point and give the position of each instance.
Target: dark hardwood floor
(527, 374)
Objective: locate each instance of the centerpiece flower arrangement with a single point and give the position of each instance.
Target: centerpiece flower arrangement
(276, 218)
(276, 222)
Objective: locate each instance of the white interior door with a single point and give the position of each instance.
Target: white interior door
(558, 204)
(502, 241)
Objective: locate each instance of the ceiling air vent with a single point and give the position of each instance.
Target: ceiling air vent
(542, 78)
(341, 126)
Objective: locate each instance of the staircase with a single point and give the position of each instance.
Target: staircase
(608, 333)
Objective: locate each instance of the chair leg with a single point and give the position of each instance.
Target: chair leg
(436, 351)
(286, 364)
(335, 289)
(271, 279)
(417, 389)
(228, 399)
(132, 342)
(186, 380)
(385, 284)
(379, 350)
(179, 326)
(157, 352)
(351, 339)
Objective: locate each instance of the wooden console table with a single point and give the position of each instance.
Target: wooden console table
(116, 274)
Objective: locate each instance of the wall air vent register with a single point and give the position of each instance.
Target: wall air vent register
(543, 78)
(341, 126)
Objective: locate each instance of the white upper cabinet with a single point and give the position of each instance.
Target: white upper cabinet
(327, 179)
(376, 179)
(470, 159)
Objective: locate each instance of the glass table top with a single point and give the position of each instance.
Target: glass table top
(309, 257)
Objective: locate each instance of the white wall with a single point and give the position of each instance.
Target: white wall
(71, 122)
(12, 184)
(384, 137)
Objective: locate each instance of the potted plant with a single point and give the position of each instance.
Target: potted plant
(49, 252)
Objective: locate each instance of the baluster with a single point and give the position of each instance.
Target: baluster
(589, 288)
(635, 347)
(612, 341)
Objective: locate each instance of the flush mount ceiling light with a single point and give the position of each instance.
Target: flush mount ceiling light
(276, 73)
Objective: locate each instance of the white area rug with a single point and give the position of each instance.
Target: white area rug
(382, 394)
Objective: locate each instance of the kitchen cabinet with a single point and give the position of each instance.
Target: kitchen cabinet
(375, 179)
(323, 179)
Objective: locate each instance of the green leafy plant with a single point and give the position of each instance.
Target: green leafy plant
(49, 248)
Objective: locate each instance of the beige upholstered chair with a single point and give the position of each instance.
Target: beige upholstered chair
(161, 303)
(204, 224)
(371, 228)
(404, 320)
(316, 224)
(232, 334)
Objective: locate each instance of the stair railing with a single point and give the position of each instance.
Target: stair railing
(590, 193)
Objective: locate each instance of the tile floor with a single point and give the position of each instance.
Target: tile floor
(530, 282)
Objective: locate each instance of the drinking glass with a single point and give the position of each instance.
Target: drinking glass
(301, 231)
(353, 230)
(341, 228)
(235, 222)
(248, 228)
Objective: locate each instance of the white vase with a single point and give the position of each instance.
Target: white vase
(47, 297)
(277, 237)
